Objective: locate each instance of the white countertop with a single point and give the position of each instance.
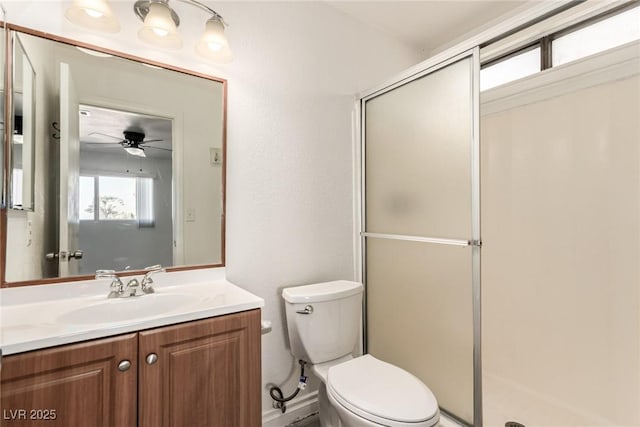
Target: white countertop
(35, 317)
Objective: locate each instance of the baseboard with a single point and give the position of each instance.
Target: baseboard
(297, 408)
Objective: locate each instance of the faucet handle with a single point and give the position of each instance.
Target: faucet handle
(116, 286)
(147, 280)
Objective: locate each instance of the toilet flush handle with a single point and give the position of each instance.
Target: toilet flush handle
(307, 310)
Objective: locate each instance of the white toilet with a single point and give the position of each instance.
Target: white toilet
(323, 321)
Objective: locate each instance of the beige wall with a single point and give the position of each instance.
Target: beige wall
(560, 266)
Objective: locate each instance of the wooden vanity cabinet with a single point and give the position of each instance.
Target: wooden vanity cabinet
(201, 373)
(72, 385)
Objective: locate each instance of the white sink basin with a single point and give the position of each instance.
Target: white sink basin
(123, 309)
(40, 316)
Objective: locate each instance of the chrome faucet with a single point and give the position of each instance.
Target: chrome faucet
(133, 288)
(116, 287)
(147, 280)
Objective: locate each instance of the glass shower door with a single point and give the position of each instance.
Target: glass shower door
(421, 230)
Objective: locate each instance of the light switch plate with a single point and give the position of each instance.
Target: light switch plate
(215, 155)
(190, 215)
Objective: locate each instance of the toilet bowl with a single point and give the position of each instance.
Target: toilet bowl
(323, 322)
(366, 391)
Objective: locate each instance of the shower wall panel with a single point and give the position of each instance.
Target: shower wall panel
(561, 259)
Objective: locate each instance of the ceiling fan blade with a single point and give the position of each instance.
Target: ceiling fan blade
(104, 144)
(155, 148)
(146, 141)
(119, 138)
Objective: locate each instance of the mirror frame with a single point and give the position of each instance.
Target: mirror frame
(8, 27)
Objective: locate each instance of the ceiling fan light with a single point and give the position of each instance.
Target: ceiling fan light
(135, 151)
(214, 44)
(159, 29)
(93, 14)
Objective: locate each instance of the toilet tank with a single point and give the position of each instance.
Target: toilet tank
(331, 328)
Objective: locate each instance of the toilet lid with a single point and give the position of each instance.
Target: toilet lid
(380, 391)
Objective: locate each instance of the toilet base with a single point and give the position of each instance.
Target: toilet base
(346, 418)
(327, 413)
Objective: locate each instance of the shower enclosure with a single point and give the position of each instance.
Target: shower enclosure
(556, 156)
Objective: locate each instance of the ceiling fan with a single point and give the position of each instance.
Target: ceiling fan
(133, 142)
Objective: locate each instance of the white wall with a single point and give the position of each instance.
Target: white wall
(290, 154)
(289, 178)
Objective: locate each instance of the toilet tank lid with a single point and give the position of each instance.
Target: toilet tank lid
(319, 292)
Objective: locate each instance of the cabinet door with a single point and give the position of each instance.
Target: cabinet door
(74, 385)
(207, 373)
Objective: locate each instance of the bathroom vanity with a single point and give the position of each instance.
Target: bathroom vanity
(195, 364)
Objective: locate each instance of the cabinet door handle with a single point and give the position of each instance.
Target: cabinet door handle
(151, 358)
(124, 365)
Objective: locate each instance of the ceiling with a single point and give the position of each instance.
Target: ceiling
(427, 25)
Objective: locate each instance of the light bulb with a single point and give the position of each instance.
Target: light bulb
(93, 13)
(160, 32)
(214, 46)
(159, 28)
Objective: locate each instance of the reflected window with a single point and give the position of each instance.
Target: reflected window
(87, 197)
(512, 68)
(108, 198)
(597, 37)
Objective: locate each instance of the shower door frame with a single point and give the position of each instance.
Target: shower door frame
(475, 239)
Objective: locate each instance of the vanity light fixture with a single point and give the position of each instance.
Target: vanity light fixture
(161, 22)
(93, 14)
(160, 25)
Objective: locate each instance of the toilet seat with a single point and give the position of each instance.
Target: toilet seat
(382, 393)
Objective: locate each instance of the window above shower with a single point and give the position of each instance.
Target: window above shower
(596, 34)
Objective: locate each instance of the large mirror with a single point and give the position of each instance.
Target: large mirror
(128, 166)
